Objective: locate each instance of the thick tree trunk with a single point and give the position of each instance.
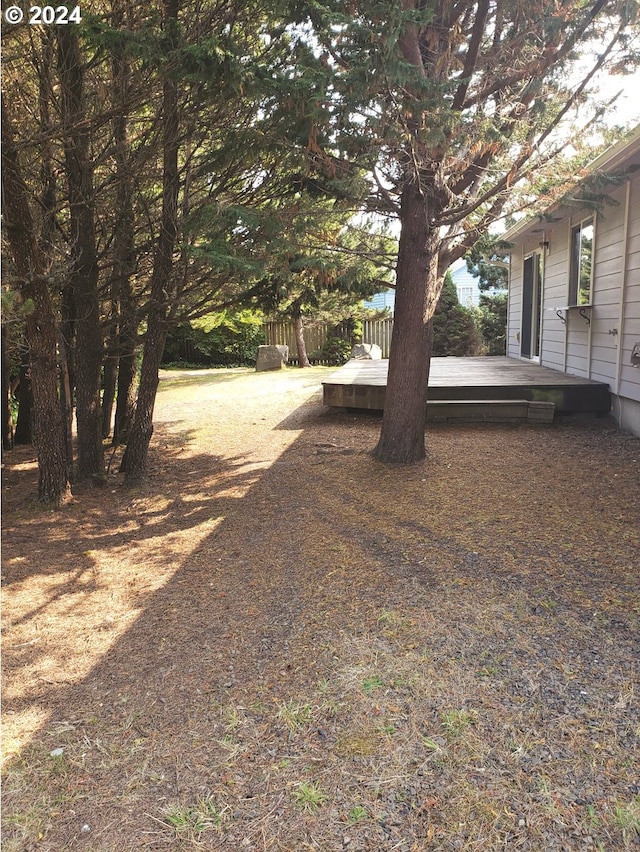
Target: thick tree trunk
(134, 461)
(402, 439)
(53, 486)
(84, 264)
(48, 172)
(301, 346)
(123, 247)
(48, 230)
(127, 370)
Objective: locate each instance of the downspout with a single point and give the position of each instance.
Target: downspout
(623, 289)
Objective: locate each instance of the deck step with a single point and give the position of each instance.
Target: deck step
(490, 410)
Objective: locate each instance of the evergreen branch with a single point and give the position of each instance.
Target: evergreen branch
(472, 53)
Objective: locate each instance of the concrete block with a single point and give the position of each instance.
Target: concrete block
(366, 352)
(271, 358)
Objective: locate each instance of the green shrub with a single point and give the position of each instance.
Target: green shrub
(454, 328)
(224, 339)
(493, 323)
(335, 350)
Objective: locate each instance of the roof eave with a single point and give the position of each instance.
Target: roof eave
(606, 162)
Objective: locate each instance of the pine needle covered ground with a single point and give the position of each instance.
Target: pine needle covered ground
(278, 643)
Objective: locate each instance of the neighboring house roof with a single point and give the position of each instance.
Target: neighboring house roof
(608, 162)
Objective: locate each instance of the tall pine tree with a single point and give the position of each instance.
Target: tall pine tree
(444, 108)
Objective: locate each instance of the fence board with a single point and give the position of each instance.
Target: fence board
(378, 332)
(281, 332)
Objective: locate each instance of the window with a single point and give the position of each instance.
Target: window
(465, 296)
(581, 269)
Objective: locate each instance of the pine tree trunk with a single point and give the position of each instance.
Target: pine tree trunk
(301, 346)
(48, 164)
(124, 351)
(402, 439)
(84, 264)
(134, 461)
(127, 369)
(53, 485)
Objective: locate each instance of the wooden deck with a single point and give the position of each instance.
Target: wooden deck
(362, 384)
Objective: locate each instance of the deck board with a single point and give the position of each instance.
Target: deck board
(361, 384)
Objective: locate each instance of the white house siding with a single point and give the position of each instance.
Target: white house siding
(608, 270)
(555, 296)
(628, 401)
(466, 285)
(602, 349)
(381, 301)
(514, 307)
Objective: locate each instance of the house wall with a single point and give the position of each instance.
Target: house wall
(466, 285)
(609, 269)
(514, 304)
(381, 301)
(554, 334)
(601, 349)
(627, 399)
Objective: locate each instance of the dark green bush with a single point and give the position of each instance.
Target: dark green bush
(217, 340)
(335, 350)
(493, 323)
(454, 328)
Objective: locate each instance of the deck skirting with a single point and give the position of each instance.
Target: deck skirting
(490, 410)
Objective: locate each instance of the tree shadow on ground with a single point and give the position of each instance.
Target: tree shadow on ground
(287, 587)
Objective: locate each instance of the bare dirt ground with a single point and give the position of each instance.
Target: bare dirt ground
(279, 643)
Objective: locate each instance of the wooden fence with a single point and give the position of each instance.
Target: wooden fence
(282, 333)
(378, 332)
